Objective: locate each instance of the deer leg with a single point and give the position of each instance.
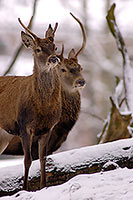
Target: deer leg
(26, 143)
(43, 151)
(42, 157)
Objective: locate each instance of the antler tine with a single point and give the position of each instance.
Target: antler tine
(56, 25)
(84, 35)
(61, 54)
(62, 51)
(27, 29)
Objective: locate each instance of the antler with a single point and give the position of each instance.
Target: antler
(61, 54)
(62, 51)
(84, 35)
(27, 29)
(56, 25)
(50, 32)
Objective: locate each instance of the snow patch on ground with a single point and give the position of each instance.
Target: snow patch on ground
(111, 185)
(95, 186)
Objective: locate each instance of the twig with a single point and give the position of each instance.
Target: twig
(93, 115)
(122, 102)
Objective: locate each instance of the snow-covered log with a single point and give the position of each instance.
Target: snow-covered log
(63, 166)
(111, 185)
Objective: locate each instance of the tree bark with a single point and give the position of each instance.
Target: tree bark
(119, 125)
(116, 126)
(63, 166)
(127, 68)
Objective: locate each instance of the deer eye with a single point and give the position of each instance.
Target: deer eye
(51, 39)
(63, 70)
(37, 50)
(72, 70)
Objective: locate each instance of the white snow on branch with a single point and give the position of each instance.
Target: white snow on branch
(118, 93)
(128, 78)
(127, 68)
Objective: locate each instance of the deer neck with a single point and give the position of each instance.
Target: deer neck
(46, 83)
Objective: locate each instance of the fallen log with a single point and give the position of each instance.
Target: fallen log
(65, 165)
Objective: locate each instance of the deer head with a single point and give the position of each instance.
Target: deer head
(70, 69)
(42, 47)
(70, 73)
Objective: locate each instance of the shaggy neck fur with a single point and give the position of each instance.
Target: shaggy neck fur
(47, 84)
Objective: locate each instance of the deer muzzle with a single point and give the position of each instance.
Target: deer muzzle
(53, 59)
(80, 83)
(52, 62)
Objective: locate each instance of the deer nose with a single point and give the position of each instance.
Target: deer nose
(53, 59)
(80, 82)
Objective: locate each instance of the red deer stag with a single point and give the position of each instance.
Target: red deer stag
(71, 81)
(31, 105)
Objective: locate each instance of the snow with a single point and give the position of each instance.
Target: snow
(128, 73)
(69, 160)
(115, 184)
(15, 173)
(118, 93)
(8, 160)
(11, 178)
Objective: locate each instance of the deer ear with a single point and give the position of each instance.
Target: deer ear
(27, 40)
(71, 54)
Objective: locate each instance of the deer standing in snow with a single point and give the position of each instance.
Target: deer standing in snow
(71, 81)
(31, 105)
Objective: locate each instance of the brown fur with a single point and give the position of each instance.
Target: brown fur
(31, 106)
(70, 108)
(71, 80)
(70, 105)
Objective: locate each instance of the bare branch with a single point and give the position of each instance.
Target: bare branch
(93, 115)
(19, 49)
(127, 68)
